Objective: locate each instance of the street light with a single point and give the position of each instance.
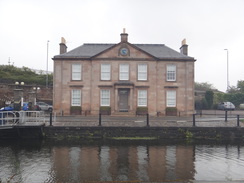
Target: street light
(18, 95)
(21, 83)
(228, 84)
(36, 89)
(47, 66)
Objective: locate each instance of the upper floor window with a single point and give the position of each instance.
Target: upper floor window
(124, 72)
(76, 71)
(76, 98)
(171, 72)
(142, 98)
(105, 71)
(142, 72)
(105, 98)
(171, 98)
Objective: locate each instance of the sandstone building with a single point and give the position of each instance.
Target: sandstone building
(123, 78)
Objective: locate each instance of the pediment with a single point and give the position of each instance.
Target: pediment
(125, 51)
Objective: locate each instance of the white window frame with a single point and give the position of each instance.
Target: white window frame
(142, 72)
(76, 97)
(171, 72)
(124, 71)
(142, 98)
(104, 97)
(171, 98)
(76, 72)
(105, 72)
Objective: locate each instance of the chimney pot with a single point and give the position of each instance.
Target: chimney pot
(184, 47)
(124, 36)
(63, 47)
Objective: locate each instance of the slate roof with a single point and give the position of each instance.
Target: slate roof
(159, 51)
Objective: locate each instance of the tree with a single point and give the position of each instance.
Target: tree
(233, 89)
(240, 85)
(203, 86)
(11, 74)
(209, 98)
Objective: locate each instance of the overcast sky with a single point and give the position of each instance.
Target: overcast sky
(209, 26)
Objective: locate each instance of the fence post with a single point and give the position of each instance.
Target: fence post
(225, 116)
(238, 120)
(194, 119)
(100, 119)
(147, 119)
(51, 118)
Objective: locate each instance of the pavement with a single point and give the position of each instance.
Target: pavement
(209, 120)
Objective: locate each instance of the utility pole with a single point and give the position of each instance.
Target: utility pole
(47, 66)
(228, 83)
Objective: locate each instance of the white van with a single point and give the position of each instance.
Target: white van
(226, 106)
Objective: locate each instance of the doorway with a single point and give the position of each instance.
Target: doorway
(123, 100)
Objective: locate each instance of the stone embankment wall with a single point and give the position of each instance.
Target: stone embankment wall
(188, 133)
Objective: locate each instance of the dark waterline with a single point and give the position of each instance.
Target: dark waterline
(146, 161)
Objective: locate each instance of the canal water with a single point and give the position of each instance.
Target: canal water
(136, 161)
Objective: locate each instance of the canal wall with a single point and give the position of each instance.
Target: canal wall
(150, 133)
(21, 132)
(122, 133)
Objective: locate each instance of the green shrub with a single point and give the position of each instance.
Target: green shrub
(75, 110)
(171, 109)
(105, 110)
(141, 110)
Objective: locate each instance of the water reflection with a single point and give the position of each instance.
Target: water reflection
(123, 163)
(120, 162)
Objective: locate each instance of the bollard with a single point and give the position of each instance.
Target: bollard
(51, 118)
(147, 119)
(100, 119)
(194, 120)
(225, 116)
(238, 120)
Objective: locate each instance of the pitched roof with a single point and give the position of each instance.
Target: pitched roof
(159, 51)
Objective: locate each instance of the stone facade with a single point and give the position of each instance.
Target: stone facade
(123, 77)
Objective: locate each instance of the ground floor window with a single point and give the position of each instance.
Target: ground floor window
(142, 98)
(171, 98)
(76, 98)
(105, 98)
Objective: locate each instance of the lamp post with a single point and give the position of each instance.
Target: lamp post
(36, 89)
(18, 96)
(228, 84)
(47, 66)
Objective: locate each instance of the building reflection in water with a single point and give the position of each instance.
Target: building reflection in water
(122, 163)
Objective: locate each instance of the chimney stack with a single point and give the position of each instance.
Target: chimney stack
(184, 47)
(63, 47)
(124, 36)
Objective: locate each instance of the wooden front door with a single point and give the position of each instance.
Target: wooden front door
(123, 100)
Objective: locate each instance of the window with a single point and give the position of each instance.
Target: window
(76, 71)
(142, 72)
(171, 73)
(105, 71)
(76, 98)
(142, 98)
(105, 98)
(171, 98)
(124, 72)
